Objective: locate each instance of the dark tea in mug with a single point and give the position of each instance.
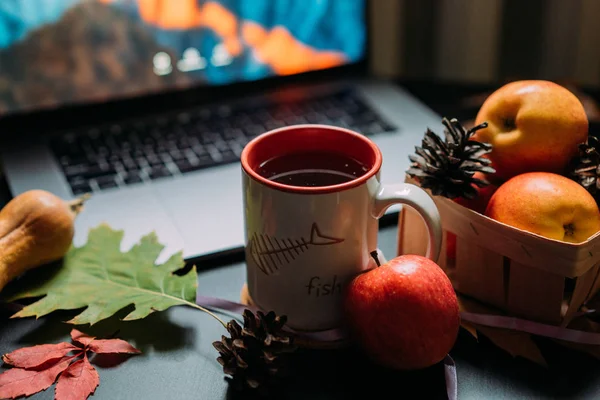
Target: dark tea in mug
(312, 169)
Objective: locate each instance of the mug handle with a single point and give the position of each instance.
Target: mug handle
(417, 198)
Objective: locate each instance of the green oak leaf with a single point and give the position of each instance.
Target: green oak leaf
(100, 278)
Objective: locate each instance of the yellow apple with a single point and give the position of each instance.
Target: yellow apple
(546, 204)
(533, 125)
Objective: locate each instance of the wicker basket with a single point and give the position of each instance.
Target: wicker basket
(524, 274)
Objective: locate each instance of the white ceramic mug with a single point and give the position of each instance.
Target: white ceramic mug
(304, 244)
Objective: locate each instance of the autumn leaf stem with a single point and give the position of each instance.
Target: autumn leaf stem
(76, 355)
(189, 303)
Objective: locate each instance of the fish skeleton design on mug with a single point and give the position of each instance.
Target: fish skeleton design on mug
(270, 253)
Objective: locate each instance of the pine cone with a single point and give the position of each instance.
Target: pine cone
(254, 355)
(447, 167)
(585, 168)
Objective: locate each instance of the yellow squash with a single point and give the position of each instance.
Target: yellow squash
(36, 228)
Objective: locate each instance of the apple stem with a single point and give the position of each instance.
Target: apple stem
(374, 255)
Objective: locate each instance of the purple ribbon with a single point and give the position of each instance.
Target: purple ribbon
(323, 336)
(535, 328)
(222, 304)
(451, 381)
(330, 335)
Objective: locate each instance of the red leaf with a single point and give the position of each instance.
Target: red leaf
(30, 357)
(21, 382)
(78, 381)
(81, 337)
(38, 367)
(112, 346)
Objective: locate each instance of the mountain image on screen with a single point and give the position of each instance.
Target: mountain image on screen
(55, 52)
(103, 63)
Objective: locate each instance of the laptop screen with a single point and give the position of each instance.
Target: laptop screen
(61, 52)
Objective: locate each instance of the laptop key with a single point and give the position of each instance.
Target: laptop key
(243, 141)
(76, 170)
(236, 147)
(199, 149)
(159, 172)
(137, 153)
(185, 166)
(295, 121)
(154, 160)
(132, 177)
(177, 155)
(66, 161)
(214, 153)
(371, 129)
(106, 182)
(80, 188)
(129, 164)
(365, 118)
(274, 125)
(205, 160)
(232, 133)
(141, 162)
(221, 145)
(316, 118)
(254, 130)
(228, 156)
(336, 113)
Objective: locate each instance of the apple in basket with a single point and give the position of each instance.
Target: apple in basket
(546, 204)
(403, 314)
(533, 125)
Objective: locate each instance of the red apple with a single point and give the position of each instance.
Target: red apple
(533, 125)
(484, 194)
(546, 204)
(403, 314)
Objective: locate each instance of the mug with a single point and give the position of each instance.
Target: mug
(303, 245)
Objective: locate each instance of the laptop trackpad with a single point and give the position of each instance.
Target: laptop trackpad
(136, 211)
(207, 209)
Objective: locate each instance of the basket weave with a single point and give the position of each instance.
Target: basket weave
(522, 273)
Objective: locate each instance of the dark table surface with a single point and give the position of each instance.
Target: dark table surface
(179, 362)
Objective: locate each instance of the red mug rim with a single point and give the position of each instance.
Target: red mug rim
(357, 144)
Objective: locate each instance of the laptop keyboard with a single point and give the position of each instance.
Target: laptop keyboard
(135, 152)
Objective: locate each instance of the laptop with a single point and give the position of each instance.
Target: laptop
(147, 105)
